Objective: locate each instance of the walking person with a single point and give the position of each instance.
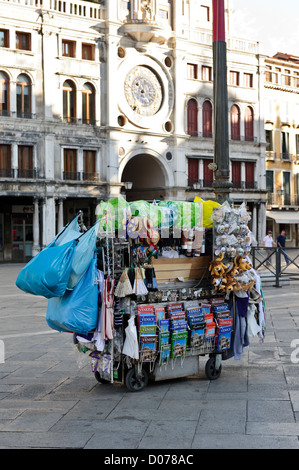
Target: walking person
(268, 243)
(281, 243)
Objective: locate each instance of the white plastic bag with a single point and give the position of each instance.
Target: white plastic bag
(169, 254)
(253, 327)
(131, 342)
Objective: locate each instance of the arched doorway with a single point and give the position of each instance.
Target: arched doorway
(147, 176)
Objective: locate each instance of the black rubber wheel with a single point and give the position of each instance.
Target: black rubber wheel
(134, 383)
(99, 378)
(211, 372)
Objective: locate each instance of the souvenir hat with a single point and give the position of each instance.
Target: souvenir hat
(153, 236)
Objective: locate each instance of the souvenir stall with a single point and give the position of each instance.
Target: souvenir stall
(151, 287)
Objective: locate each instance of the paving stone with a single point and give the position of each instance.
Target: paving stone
(180, 434)
(44, 440)
(277, 411)
(242, 441)
(294, 394)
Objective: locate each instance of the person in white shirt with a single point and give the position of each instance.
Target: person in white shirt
(268, 243)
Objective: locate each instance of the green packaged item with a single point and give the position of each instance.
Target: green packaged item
(164, 354)
(113, 213)
(178, 344)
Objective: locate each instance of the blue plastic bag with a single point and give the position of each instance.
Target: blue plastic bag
(76, 310)
(48, 272)
(68, 233)
(83, 254)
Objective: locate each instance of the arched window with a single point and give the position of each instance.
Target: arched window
(69, 101)
(4, 94)
(192, 124)
(235, 122)
(23, 96)
(207, 116)
(249, 124)
(88, 104)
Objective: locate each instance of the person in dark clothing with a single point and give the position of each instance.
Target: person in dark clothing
(281, 243)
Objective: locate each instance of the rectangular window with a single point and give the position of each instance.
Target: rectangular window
(269, 140)
(4, 38)
(270, 181)
(297, 144)
(192, 71)
(287, 78)
(70, 165)
(88, 52)
(125, 5)
(89, 165)
(5, 161)
(286, 188)
(270, 185)
(192, 171)
(205, 12)
(248, 80)
(68, 48)
(163, 14)
(23, 41)
(206, 73)
(1, 232)
(234, 78)
(25, 161)
(297, 189)
(285, 155)
(236, 174)
(207, 174)
(249, 175)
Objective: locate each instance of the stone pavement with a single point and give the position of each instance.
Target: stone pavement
(48, 401)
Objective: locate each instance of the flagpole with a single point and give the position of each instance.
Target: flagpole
(221, 184)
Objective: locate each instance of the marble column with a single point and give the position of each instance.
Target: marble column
(60, 215)
(254, 221)
(43, 223)
(35, 246)
(261, 222)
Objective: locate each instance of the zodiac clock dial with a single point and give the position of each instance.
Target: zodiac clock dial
(143, 91)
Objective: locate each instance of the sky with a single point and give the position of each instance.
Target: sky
(274, 23)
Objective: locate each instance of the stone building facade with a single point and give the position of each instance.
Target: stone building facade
(95, 95)
(282, 151)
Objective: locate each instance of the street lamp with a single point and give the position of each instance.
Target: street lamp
(128, 185)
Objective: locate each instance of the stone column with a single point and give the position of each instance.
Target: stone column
(14, 159)
(261, 222)
(48, 220)
(243, 175)
(80, 162)
(60, 215)
(200, 171)
(254, 224)
(43, 223)
(35, 246)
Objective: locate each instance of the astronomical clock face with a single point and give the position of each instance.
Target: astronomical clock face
(143, 91)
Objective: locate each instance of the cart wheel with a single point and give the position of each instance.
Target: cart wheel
(211, 372)
(134, 383)
(99, 378)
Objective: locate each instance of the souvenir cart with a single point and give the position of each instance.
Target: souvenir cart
(172, 289)
(150, 288)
